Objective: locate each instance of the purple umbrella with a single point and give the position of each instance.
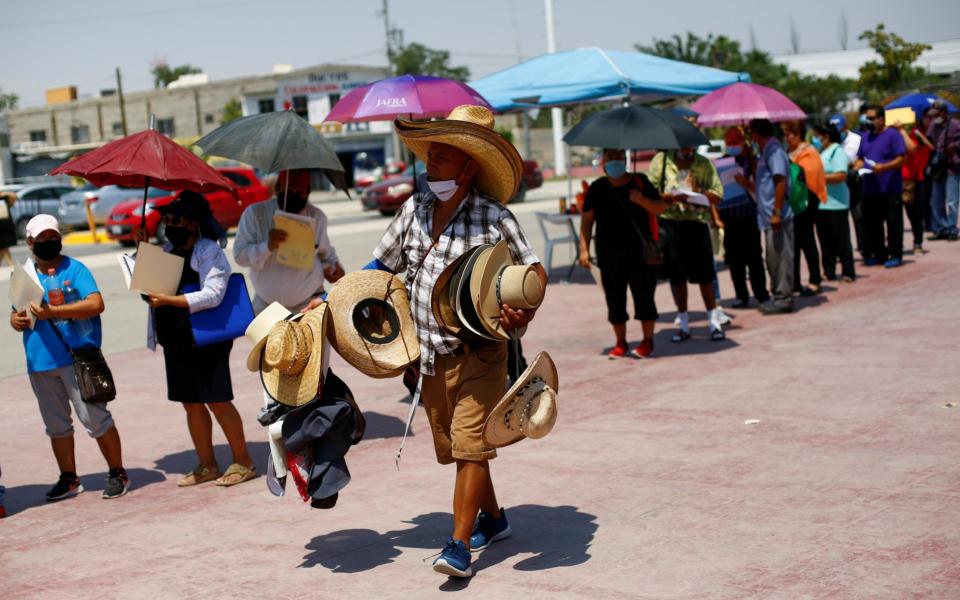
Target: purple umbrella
(410, 96)
(737, 103)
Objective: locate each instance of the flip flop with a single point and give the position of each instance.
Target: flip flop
(198, 475)
(236, 473)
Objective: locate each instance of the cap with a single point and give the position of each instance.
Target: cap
(41, 223)
(837, 120)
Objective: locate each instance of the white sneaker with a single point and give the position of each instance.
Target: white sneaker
(722, 318)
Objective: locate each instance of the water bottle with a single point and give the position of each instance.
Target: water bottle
(55, 295)
(82, 327)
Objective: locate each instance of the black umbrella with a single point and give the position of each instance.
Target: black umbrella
(275, 141)
(636, 128)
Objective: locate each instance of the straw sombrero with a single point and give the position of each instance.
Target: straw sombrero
(259, 328)
(470, 128)
(295, 357)
(379, 345)
(495, 281)
(528, 409)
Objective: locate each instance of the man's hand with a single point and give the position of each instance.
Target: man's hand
(277, 237)
(314, 302)
(775, 221)
(515, 319)
(42, 311)
(332, 274)
(20, 321)
(584, 259)
(673, 198)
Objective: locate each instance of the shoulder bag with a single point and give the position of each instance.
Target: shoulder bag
(93, 373)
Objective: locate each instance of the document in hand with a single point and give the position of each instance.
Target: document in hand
(24, 290)
(692, 197)
(155, 271)
(299, 250)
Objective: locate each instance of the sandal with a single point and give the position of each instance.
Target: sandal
(237, 473)
(680, 337)
(200, 474)
(718, 335)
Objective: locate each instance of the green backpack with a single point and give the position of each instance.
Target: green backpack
(798, 189)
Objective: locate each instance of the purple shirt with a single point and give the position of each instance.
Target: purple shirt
(882, 147)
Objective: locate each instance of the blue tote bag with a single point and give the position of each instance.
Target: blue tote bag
(227, 321)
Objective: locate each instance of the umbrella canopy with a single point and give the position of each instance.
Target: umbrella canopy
(416, 96)
(737, 104)
(275, 141)
(146, 159)
(635, 128)
(590, 74)
(919, 102)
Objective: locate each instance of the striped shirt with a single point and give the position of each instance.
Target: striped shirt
(405, 244)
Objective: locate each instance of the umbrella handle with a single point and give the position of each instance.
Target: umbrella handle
(143, 209)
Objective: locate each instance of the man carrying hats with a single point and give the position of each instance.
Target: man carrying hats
(258, 240)
(471, 172)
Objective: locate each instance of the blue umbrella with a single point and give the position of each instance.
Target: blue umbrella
(918, 102)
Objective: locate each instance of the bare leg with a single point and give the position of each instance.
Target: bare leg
(620, 330)
(110, 448)
(201, 432)
(473, 491)
(680, 296)
(63, 452)
(647, 327)
(709, 297)
(232, 426)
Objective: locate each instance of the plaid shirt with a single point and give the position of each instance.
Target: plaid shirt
(478, 220)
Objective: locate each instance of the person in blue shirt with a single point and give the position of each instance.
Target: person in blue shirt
(833, 222)
(50, 366)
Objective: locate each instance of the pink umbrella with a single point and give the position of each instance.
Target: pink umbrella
(410, 96)
(737, 103)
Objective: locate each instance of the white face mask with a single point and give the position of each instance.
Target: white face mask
(443, 190)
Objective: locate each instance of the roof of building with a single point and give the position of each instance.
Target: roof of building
(943, 59)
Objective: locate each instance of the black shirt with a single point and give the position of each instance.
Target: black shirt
(172, 323)
(613, 212)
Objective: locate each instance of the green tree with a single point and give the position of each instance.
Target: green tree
(232, 110)
(417, 59)
(894, 71)
(164, 74)
(8, 101)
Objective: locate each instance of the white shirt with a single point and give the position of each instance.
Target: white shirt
(851, 144)
(273, 282)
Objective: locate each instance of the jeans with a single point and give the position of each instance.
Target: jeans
(742, 252)
(779, 247)
(833, 229)
(944, 203)
(881, 210)
(805, 242)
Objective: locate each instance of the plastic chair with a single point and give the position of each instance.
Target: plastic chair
(561, 226)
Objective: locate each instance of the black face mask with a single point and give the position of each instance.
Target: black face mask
(178, 235)
(295, 202)
(47, 250)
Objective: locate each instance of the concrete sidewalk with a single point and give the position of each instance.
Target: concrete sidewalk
(651, 485)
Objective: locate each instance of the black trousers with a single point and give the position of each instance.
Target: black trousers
(805, 241)
(913, 204)
(881, 210)
(833, 229)
(743, 254)
(856, 212)
(619, 273)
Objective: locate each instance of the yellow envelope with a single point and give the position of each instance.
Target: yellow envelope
(155, 271)
(299, 250)
(900, 116)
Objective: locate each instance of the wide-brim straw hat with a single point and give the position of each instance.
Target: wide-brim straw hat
(258, 330)
(495, 281)
(461, 300)
(528, 409)
(443, 299)
(376, 347)
(470, 128)
(295, 357)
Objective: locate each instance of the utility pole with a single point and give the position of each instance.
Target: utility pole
(556, 114)
(123, 111)
(387, 36)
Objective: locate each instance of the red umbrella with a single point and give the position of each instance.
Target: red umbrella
(146, 159)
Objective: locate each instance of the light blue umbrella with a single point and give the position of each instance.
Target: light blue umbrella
(592, 74)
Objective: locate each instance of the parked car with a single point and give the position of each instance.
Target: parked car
(227, 209)
(73, 211)
(35, 199)
(389, 195)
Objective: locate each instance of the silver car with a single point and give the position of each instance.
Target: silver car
(34, 199)
(73, 212)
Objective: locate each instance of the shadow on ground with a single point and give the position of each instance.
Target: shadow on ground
(184, 461)
(553, 536)
(22, 497)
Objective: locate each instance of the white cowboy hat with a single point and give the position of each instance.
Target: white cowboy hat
(259, 328)
(528, 409)
(495, 280)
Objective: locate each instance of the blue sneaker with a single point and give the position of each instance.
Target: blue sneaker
(489, 529)
(871, 262)
(454, 560)
(893, 263)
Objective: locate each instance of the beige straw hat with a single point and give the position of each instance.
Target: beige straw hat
(259, 328)
(528, 409)
(470, 128)
(460, 296)
(295, 357)
(496, 281)
(371, 325)
(444, 296)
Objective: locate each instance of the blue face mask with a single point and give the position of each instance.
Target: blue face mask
(817, 143)
(615, 169)
(734, 151)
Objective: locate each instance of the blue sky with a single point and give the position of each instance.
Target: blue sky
(46, 43)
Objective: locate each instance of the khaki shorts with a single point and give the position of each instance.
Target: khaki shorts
(459, 397)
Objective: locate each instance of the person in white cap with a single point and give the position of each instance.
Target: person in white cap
(50, 365)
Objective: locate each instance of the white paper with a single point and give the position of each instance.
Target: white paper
(127, 265)
(156, 271)
(692, 197)
(24, 290)
(864, 171)
(729, 176)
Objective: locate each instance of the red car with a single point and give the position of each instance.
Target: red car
(125, 216)
(389, 195)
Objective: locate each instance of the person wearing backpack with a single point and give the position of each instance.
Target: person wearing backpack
(814, 182)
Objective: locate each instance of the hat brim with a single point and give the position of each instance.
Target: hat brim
(462, 300)
(483, 292)
(260, 327)
(297, 390)
(501, 168)
(498, 429)
(443, 298)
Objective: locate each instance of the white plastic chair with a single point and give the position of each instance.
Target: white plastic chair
(558, 229)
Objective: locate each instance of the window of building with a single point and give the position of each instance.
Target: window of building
(208, 118)
(117, 128)
(165, 126)
(38, 135)
(266, 105)
(79, 134)
(334, 98)
(4, 140)
(300, 105)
